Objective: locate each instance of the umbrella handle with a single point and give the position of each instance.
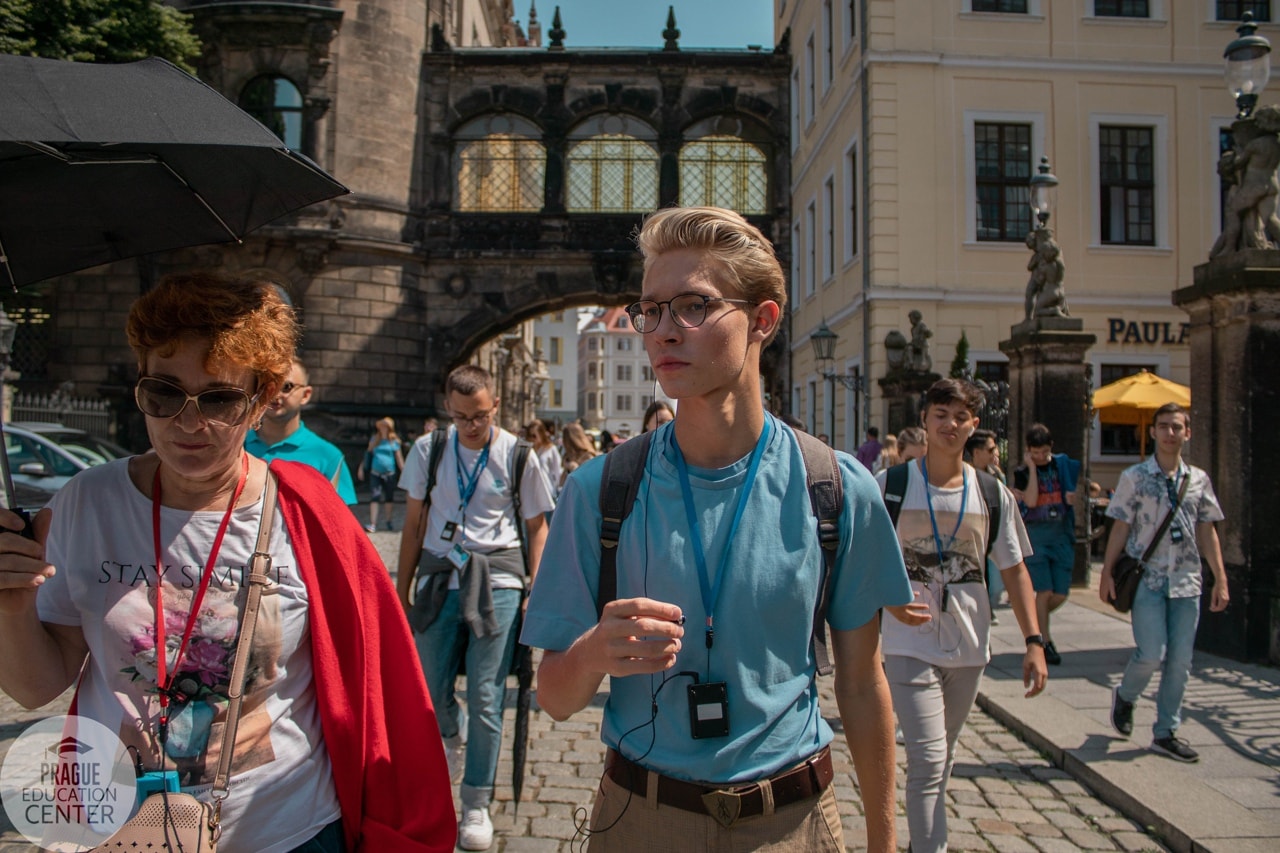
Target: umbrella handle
(10, 502)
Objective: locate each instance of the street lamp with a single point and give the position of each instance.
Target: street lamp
(1043, 185)
(1248, 66)
(824, 349)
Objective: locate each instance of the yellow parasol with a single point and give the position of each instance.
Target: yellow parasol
(1133, 399)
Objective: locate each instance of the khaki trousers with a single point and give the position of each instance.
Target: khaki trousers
(623, 822)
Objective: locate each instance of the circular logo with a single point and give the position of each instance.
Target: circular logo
(68, 784)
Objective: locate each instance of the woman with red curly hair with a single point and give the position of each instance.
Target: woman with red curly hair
(330, 754)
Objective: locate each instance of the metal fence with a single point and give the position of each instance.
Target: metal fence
(93, 415)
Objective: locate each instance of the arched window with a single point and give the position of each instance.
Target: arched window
(277, 103)
(500, 164)
(722, 170)
(612, 167)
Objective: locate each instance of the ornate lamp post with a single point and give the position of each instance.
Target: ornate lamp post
(1044, 185)
(824, 350)
(1248, 66)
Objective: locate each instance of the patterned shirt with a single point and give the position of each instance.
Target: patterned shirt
(1142, 500)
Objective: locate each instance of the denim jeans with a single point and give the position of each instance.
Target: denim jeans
(1164, 629)
(328, 840)
(441, 648)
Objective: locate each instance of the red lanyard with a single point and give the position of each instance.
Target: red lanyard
(164, 684)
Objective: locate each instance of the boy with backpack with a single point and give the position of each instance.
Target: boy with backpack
(731, 543)
(950, 518)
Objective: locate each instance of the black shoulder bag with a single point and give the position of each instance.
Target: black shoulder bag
(1128, 572)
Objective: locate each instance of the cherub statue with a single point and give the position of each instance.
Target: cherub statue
(918, 358)
(1046, 296)
(1250, 167)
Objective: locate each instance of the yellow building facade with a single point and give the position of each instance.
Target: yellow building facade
(916, 125)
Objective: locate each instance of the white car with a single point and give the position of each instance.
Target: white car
(47, 455)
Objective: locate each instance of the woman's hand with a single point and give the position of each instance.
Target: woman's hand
(22, 565)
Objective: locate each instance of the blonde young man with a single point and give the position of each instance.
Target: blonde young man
(722, 535)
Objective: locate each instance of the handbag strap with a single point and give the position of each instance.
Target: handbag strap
(1164, 525)
(259, 578)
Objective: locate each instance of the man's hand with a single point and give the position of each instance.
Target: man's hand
(1221, 598)
(1034, 670)
(633, 636)
(1106, 586)
(913, 614)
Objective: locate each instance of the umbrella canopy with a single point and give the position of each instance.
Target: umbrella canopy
(104, 162)
(1134, 399)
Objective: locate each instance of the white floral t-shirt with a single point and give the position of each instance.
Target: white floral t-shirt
(1141, 500)
(101, 544)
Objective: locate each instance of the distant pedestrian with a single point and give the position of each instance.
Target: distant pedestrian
(982, 451)
(1166, 609)
(607, 441)
(383, 460)
(548, 454)
(936, 648)
(1045, 485)
(888, 455)
(578, 448)
(913, 442)
(658, 413)
(869, 450)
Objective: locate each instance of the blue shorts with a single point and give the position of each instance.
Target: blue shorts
(382, 487)
(1055, 556)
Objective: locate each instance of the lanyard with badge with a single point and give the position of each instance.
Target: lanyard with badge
(933, 521)
(457, 555)
(709, 701)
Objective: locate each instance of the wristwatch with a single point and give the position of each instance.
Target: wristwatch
(1036, 640)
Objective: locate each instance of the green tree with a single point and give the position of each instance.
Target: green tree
(960, 364)
(98, 31)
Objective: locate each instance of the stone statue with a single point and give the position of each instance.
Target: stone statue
(918, 358)
(1045, 294)
(1250, 168)
(895, 350)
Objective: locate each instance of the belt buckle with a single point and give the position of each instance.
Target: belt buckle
(724, 806)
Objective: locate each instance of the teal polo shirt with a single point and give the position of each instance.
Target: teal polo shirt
(303, 445)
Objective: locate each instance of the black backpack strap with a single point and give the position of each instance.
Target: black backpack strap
(826, 498)
(619, 485)
(519, 459)
(990, 488)
(895, 489)
(439, 438)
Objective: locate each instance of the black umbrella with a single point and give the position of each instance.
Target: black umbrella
(520, 745)
(103, 162)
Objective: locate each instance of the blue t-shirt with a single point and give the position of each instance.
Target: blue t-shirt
(764, 615)
(303, 445)
(383, 457)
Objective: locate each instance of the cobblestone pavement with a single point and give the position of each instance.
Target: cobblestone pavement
(1003, 797)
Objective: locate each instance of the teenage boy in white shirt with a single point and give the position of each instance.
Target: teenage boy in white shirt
(936, 647)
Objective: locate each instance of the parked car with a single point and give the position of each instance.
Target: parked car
(44, 456)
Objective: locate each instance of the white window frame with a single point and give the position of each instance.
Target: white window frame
(829, 219)
(811, 407)
(811, 248)
(851, 436)
(1159, 170)
(795, 109)
(797, 271)
(811, 84)
(971, 119)
(1217, 124)
(1097, 359)
(852, 179)
(828, 22)
(1033, 8)
(1155, 12)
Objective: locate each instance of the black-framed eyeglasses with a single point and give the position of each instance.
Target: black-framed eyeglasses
(160, 398)
(287, 388)
(474, 420)
(688, 310)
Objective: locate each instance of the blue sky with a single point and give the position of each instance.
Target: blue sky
(639, 23)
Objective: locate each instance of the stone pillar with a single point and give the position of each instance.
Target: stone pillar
(1234, 306)
(1049, 384)
(902, 391)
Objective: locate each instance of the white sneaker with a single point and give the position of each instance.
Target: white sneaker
(456, 756)
(476, 830)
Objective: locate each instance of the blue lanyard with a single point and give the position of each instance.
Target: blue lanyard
(1171, 486)
(964, 501)
(710, 593)
(465, 492)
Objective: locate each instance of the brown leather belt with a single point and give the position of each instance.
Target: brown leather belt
(727, 804)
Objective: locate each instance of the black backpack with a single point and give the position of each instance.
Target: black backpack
(620, 483)
(519, 458)
(895, 488)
